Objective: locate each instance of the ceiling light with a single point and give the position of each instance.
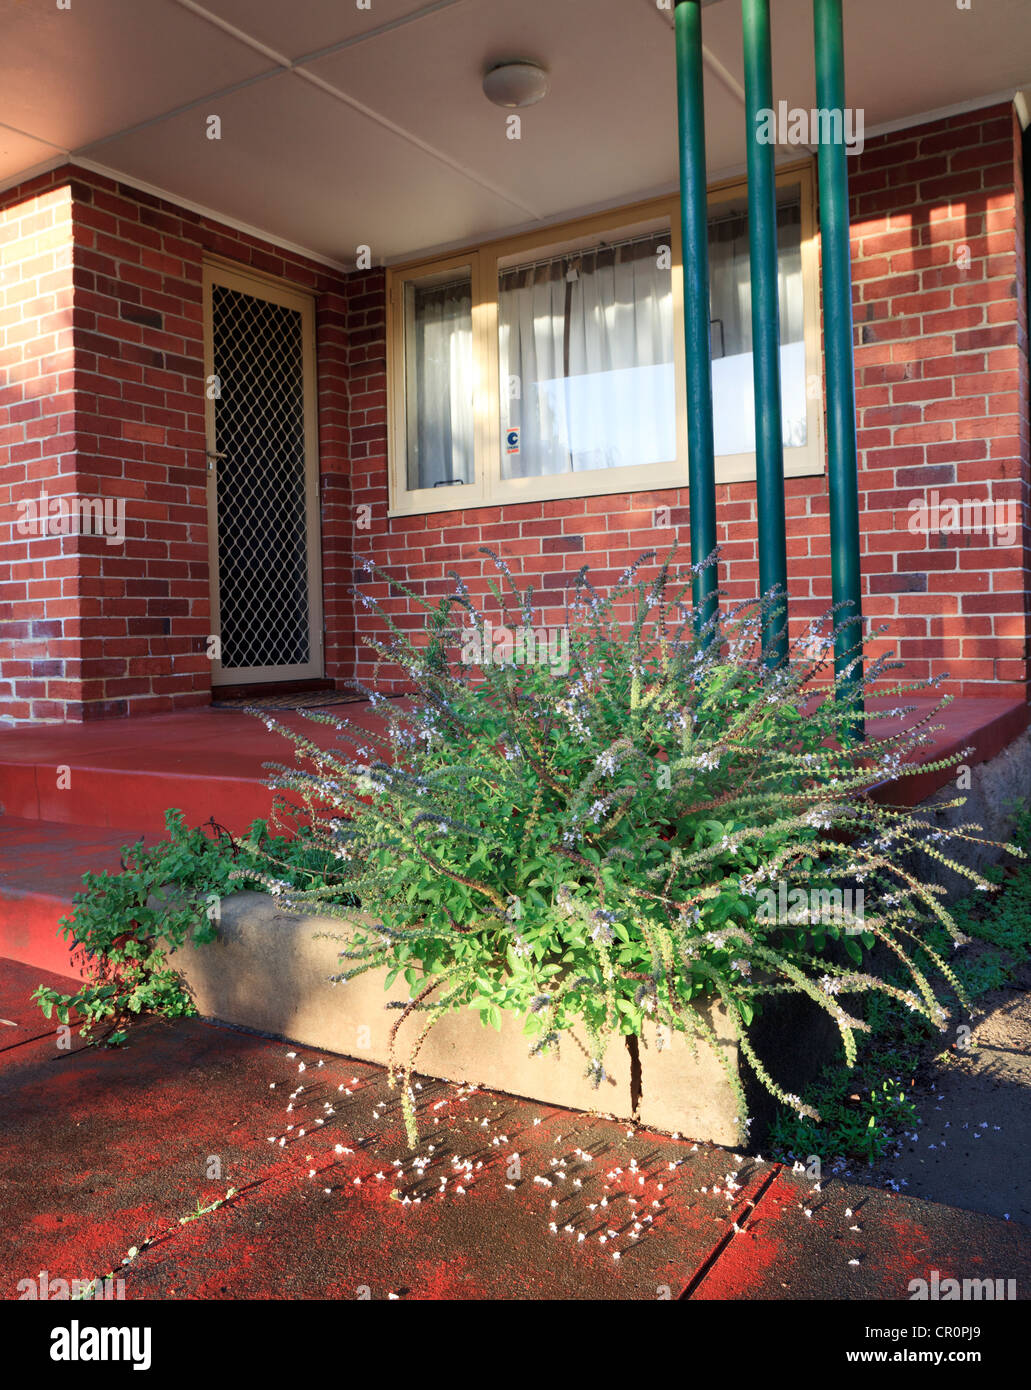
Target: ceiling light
(519, 83)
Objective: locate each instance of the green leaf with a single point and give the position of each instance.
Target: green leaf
(854, 949)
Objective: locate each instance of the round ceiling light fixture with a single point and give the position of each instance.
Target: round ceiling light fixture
(517, 83)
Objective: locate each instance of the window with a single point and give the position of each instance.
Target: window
(553, 366)
(730, 300)
(439, 395)
(586, 356)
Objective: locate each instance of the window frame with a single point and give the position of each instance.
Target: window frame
(429, 499)
(484, 261)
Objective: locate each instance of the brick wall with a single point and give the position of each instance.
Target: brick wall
(136, 615)
(940, 307)
(941, 375)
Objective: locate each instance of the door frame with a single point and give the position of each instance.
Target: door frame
(226, 273)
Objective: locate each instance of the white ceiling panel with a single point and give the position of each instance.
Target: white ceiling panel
(594, 137)
(19, 152)
(925, 55)
(397, 147)
(308, 25)
(310, 170)
(902, 57)
(71, 76)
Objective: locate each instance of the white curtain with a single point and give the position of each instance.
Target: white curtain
(731, 310)
(440, 384)
(586, 361)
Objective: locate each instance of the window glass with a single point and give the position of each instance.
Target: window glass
(731, 310)
(439, 379)
(586, 360)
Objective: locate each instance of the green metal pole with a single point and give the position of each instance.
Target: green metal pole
(837, 331)
(762, 241)
(694, 217)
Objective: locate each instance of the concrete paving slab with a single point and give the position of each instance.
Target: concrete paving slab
(21, 1020)
(851, 1242)
(505, 1199)
(103, 1150)
(100, 1147)
(512, 1201)
(970, 1147)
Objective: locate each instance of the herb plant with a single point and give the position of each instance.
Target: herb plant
(594, 848)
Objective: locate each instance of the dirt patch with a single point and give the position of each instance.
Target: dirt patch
(970, 1147)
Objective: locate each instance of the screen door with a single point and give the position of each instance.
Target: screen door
(262, 481)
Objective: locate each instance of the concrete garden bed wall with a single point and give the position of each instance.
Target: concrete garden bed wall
(269, 971)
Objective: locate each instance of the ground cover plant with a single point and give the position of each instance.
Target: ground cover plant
(126, 924)
(589, 833)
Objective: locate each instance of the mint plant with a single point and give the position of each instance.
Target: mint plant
(589, 847)
(128, 923)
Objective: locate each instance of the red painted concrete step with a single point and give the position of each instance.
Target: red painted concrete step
(71, 795)
(41, 867)
(209, 762)
(67, 792)
(984, 726)
(120, 772)
(22, 1020)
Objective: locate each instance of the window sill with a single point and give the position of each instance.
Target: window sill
(736, 469)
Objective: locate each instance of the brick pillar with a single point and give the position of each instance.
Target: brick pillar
(40, 573)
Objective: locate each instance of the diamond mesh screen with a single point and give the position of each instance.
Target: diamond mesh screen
(260, 481)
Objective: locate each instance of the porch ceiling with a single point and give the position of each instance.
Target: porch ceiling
(343, 126)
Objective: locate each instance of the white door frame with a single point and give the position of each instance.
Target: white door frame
(217, 272)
